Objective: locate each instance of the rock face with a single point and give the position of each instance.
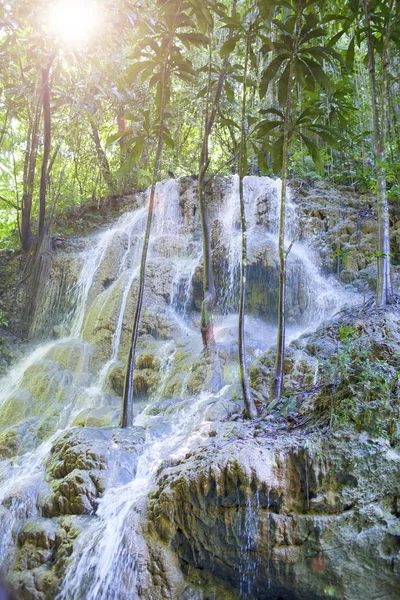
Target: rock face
(286, 518)
(302, 504)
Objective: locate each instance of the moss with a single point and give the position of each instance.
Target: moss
(74, 356)
(231, 373)
(15, 408)
(147, 361)
(96, 418)
(173, 389)
(197, 378)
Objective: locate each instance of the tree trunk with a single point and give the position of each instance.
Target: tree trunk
(384, 286)
(277, 380)
(46, 148)
(101, 155)
(249, 405)
(32, 143)
(127, 405)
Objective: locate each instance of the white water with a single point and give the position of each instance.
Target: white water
(109, 558)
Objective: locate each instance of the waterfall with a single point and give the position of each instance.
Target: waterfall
(70, 382)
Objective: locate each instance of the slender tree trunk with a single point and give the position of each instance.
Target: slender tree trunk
(250, 407)
(127, 406)
(32, 144)
(121, 128)
(384, 285)
(46, 148)
(207, 307)
(101, 155)
(277, 380)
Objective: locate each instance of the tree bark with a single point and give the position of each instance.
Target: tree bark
(32, 144)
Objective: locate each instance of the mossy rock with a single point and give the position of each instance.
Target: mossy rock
(97, 417)
(173, 388)
(116, 379)
(147, 361)
(15, 408)
(75, 355)
(40, 532)
(19, 439)
(231, 373)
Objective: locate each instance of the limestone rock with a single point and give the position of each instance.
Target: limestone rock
(286, 518)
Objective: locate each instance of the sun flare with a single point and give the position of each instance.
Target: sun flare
(74, 21)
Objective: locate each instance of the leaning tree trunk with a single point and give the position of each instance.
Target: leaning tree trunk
(127, 403)
(249, 405)
(384, 286)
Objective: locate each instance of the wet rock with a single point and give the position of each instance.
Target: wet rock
(300, 372)
(283, 518)
(77, 493)
(44, 546)
(116, 378)
(81, 464)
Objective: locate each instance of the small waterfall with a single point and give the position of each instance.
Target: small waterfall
(249, 551)
(109, 554)
(313, 296)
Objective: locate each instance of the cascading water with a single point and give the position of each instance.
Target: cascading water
(73, 381)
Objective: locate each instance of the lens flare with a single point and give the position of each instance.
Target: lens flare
(74, 21)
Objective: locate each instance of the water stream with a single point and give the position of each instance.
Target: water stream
(109, 556)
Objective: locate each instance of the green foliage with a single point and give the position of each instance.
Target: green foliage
(360, 388)
(114, 85)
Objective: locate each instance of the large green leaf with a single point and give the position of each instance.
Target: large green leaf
(229, 46)
(270, 72)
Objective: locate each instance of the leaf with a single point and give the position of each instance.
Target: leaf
(230, 92)
(203, 92)
(283, 85)
(265, 127)
(168, 141)
(136, 68)
(128, 116)
(115, 137)
(350, 55)
(262, 161)
(314, 152)
(231, 122)
(274, 111)
(317, 72)
(270, 72)
(193, 39)
(229, 46)
(232, 23)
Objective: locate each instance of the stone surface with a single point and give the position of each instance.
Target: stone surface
(303, 518)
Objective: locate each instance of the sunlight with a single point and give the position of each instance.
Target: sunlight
(74, 20)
